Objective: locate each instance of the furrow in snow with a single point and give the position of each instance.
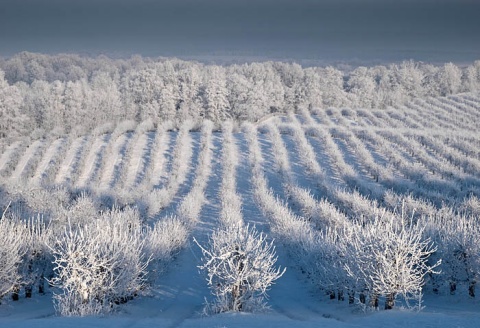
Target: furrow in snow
(112, 160)
(136, 159)
(8, 155)
(26, 161)
(158, 199)
(47, 161)
(69, 164)
(92, 161)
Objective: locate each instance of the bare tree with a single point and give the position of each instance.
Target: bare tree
(99, 265)
(11, 251)
(391, 258)
(240, 266)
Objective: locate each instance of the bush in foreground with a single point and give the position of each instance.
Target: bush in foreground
(11, 251)
(100, 264)
(240, 266)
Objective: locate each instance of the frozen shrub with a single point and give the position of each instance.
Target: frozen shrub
(161, 243)
(37, 261)
(27, 202)
(471, 206)
(11, 251)
(459, 248)
(100, 264)
(82, 210)
(328, 261)
(157, 199)
(189, 209)
(144, 126)
(240, 266)
(103, 129)
(391, 258)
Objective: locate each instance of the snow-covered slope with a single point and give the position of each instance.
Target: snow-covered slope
(345, 161)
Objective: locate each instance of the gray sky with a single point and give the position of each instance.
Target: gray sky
(328, 30)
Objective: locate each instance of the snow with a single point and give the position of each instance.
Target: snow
(27, 157)
(178, 297)
(47, 160)
(137, 159)
(71, 160)
(113, 162)
(92, 161)
(7, 155)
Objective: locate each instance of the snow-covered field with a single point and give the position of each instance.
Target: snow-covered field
(310, 168)
(177, 306)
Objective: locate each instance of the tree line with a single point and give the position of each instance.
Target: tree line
(75, 94)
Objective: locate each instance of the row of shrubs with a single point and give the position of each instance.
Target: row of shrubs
(95, 260)
(350, 245)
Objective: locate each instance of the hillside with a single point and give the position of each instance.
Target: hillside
(293, 177)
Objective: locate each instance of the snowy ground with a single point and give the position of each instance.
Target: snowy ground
(178, 298)
(180, 306)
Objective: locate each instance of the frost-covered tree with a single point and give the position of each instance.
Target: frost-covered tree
(75, 107)
(104, 97)
(449, 79)
(240, 267)
(216, 94)
(292, 77)
(167, 106)
(391, 258)
(11, 251)
(239, 87)
(331, 83)
(410, 77)
(312, 89)
(12, 120)
(15, 70)
(362, 85)
(143, 91)
(329, 260)
(189, 104)
(458, 246)
(56, 112)
(162, 242)
(36, 265)
(100, 264)
(67, 92)
(471, 78)
(37, 102)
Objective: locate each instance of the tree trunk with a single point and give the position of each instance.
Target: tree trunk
(332, 294)
(390, 301)
(434, 282)
(15, 292)
(374, 301)
(363, 298)
(236, 298)
(471, 288)
(340, 295)
(453, 287)
(28, 291)
(351, 297)
(41, 285)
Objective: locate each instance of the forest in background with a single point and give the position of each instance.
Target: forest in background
(69, 93)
